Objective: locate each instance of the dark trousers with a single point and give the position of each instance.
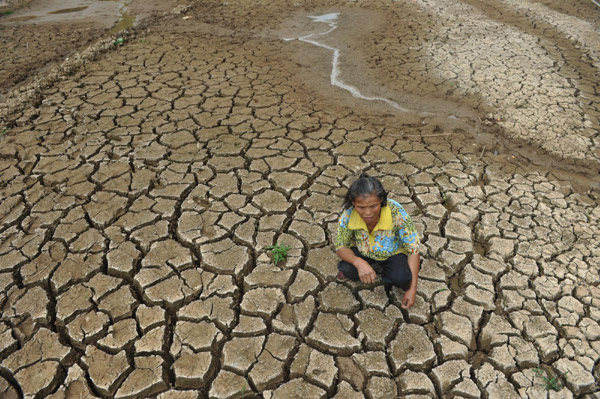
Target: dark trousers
(394, 270)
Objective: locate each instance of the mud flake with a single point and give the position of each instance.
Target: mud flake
(267, 276)
(337, 298)
(199, 336)
(332, 333)
(298, 389)
(227, 385)
(145, 379)
(120, 336)
(105, 207)
(86, 328)
(262, 302)
(191, 369)
(151, 342)
(119, 304)
(411, 349)
(225, 257)
(272, 202)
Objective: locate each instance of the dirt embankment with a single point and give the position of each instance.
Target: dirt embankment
(35, 34)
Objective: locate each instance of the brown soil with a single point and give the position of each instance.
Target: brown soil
(35, 35)
(30, 48)
(142, 187)
(370, 59)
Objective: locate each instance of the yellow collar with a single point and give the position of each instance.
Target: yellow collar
(384, 223)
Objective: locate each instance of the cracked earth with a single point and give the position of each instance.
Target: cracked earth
(140, 188)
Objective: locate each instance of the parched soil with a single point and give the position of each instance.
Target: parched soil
(141, 190)
(37, 34)
(29, 49)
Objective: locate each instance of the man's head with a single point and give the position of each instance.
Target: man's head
(365, 186)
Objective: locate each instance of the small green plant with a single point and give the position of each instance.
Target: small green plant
(4, 130)
(7, 12)
(551, 382)
(279, 252)
(119, 41)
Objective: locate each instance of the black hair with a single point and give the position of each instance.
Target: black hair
(365, 185)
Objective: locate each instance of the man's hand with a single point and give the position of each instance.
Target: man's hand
(414, 262)
(365, 271)
(409, 298)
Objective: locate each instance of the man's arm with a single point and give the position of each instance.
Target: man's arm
(414, 263)
(365, 271)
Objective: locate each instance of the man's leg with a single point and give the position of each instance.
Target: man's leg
(396, 271)
(348, 269)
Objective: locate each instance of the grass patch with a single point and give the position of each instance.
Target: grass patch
(7, 12)
(551, 382)
(279, 252)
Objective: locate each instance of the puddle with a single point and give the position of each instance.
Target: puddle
(125, 22)
(68, 10)
(331, 20)
(22, 19)
(103, 14)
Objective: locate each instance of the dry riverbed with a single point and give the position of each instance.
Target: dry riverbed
(140, 189)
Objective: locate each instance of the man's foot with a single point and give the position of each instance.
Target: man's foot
(341, 276)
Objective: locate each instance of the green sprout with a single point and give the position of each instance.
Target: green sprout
(7, 12)
(551, 382)
(4, 130)
(279, 252)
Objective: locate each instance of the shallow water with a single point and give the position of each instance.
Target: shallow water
(68, 10)
(331, 20)
(24, 18)
(126, 21)
(325, 17)
(105, 13)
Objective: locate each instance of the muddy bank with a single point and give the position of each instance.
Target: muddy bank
(36, 35)
(30, 49)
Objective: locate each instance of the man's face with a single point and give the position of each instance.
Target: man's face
(368, 208)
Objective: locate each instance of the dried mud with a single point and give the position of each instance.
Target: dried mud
(142, 184)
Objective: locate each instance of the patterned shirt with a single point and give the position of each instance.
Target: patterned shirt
(394, 233)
